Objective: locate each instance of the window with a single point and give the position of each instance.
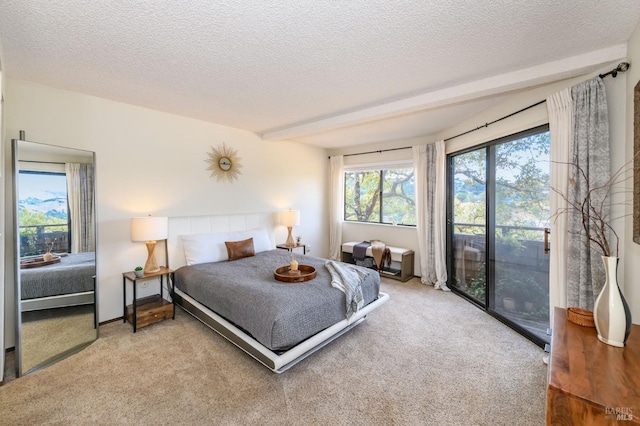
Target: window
(44, 213)
(380, 196)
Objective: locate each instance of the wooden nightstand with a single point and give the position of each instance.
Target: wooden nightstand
(148, 310)
(285, 247)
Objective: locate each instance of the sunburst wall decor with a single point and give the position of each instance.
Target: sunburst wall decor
(224, 163)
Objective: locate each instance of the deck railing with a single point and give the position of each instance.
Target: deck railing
(36, 239)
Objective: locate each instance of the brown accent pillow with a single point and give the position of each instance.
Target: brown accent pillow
(239, 249)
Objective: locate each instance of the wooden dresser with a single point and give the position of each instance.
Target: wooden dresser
(591, 383)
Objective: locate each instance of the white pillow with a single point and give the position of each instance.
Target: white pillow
(205, 248)
(260, 237)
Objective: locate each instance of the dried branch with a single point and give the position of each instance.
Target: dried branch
(592, 207)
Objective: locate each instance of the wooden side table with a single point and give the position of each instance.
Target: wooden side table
(286, 247)
(590, 382)
(148, 310)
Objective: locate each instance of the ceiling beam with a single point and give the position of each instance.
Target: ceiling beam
(498, 84)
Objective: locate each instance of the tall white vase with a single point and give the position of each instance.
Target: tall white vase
(611, 313)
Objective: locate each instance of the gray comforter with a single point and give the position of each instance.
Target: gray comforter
(74, 274)
(279, 315)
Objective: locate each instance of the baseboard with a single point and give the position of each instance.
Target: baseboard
(110, 321)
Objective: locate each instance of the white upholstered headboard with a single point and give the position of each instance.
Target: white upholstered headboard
(186, 225)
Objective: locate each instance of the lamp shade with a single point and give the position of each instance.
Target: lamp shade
(149, 228)
(290, 218)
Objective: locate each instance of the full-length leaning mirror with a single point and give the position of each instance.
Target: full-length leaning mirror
(54, 201)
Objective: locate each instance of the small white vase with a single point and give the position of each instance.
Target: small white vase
(611, 313)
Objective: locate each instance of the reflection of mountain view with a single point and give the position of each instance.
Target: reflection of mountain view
(51, 207)
(43, 193)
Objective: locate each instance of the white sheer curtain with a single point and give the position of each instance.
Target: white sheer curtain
(559, 107)
(81, 205)
(336, 213)
(430, 186)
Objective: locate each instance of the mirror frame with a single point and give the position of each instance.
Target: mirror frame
(15, 157)
(636, 163)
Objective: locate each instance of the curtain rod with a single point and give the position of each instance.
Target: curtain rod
(622, 67)
(452, 137)
(40, 162)
(376, 152)
(495, 121)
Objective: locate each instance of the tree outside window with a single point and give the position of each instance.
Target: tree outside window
(522, 189)
(380, 196)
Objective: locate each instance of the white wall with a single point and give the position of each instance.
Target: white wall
(631, 249)
(149, 162)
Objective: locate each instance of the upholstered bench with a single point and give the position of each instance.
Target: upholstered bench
(401, 260)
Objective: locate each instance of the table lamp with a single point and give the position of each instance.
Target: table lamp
(149, 229)
(290, 218)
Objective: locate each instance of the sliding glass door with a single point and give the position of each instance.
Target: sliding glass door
(468, 220)
(498, 215)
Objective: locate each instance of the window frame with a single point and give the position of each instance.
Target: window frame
(380, 168)
(488, 303)
(50, 169)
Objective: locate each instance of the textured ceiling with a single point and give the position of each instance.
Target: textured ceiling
(265, 66)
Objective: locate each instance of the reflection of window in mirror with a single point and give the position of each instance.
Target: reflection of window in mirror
(44, 213)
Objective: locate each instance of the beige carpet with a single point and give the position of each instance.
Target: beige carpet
(424, 358)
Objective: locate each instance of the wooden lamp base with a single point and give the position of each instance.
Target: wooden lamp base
(151, 265)
(290, 242)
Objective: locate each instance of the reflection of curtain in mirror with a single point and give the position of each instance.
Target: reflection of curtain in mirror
(80, 195)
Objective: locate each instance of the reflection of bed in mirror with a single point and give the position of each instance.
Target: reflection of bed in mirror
(70, 282)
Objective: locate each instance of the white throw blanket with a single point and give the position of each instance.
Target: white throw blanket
(348, 279)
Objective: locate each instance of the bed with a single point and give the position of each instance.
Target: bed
(277, 323)
(70, 282)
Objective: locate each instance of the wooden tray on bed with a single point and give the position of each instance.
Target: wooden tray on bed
(36, 262)
(285, 275)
